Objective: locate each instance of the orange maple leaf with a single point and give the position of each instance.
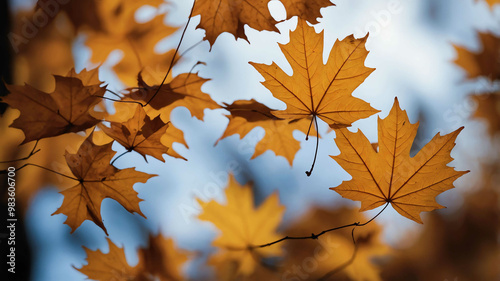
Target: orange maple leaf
(248, 114)
(410, 184)
(242, 226)
(159, 261)
(97, 180)
(140, 133)
(483, 63)
(63, 111)
(315, 89)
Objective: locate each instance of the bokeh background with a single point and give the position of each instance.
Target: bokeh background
(411, 47)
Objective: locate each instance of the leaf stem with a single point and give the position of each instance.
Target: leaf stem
(308, 173)
(50, 170)
(112, 162)
(175, 55)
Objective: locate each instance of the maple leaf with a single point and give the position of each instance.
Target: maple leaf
(126, 111)
(63, 111)
(137, 41)
(248, 114)
(139, 133)
(172, 135)
(488, 108)
(112, 266)
(219, 16)
(162, 259)
(97, 180)
(410, 184)
(80, 13)
(182, 90)
(315, 89)
(159, 261)
(305, 9)
(242, 225)
(484, 63)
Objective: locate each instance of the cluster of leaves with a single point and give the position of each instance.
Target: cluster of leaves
(316, 92)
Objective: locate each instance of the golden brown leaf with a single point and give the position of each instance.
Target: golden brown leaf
(183, 90)
(315, 89)
(248, 114)
(112, 266)
(159, 261)
(97, 180)
(483, 63)
(162, 259)
(305, 9)
(140, 133)
(488, 109)
(410, 184)
(219, 16)
(242, 225)
(63, 111)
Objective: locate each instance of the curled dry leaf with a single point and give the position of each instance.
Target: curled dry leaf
(410, 184)
(242, 225)
(248, 114)
(66, 110)
(140, 133)
(97, 180)
(182, 90)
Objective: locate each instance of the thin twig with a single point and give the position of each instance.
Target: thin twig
(33, 152)
(315, 236)
(175, 55)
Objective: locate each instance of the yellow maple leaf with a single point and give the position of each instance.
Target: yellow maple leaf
(410, 184)
(242, 225)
